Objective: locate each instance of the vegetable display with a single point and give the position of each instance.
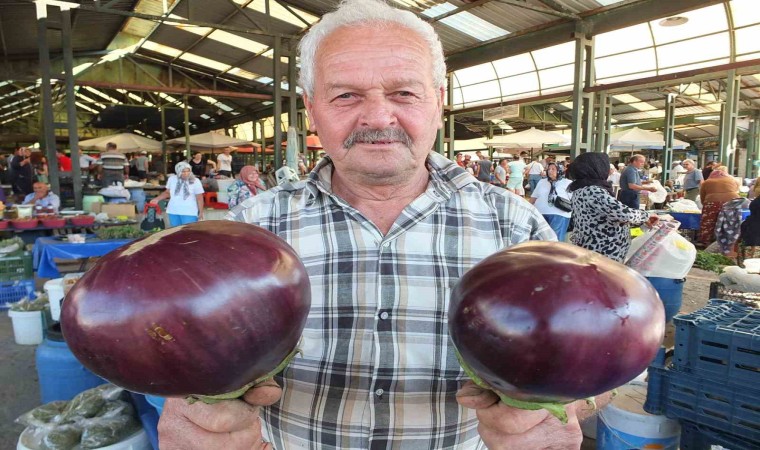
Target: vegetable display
(205, 311)
(546, 323)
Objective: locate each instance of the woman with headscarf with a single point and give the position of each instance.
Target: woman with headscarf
(718, 189)
(601, 223)
(185, 194)
(245, 187)
(544, 197)
(749, 242)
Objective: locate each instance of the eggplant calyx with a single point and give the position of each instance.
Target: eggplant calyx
(211, 399)
(555, 409)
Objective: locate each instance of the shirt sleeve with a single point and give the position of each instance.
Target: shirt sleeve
(617, 212)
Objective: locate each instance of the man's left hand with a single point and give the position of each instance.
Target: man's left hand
(503, 427)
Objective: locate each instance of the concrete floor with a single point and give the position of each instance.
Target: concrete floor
(19, 391)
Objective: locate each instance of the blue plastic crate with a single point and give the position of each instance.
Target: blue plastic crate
(13, 291)
(734, 410)
(720, 341)
(700, 437)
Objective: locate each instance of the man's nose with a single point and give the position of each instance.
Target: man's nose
(377, 112)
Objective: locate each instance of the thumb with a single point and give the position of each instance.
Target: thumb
(263, 394)
(474, 397)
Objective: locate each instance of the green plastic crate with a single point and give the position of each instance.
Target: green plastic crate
(17, 266)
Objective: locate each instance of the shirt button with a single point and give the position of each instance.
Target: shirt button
(379, 392)
(386, 244)
(383, 315)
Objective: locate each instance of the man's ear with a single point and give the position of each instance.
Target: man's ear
(309, 105)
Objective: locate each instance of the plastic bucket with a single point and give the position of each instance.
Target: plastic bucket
(623, 424)
(137, 195)
(671, 294)
(137, 441)
(27, 326)
(54, 290)
(88, 200)
(61, 376)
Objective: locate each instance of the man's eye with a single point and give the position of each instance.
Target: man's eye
(405, 94)
(346, 96)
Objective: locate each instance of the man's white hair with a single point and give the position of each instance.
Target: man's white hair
(373, 12)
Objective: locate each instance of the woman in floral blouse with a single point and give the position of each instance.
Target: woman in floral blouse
(245, 187)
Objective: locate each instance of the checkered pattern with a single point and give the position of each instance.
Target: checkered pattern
(378, 369)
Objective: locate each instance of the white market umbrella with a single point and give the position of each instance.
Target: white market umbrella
(125, 143)
(638, 138)
(530, 138)
(210, 140)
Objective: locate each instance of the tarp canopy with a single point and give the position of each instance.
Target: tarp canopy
(125, 143)
(637, 138)
(530, 138)
(210, 140)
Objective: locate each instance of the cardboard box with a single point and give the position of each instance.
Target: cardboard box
(115, 209)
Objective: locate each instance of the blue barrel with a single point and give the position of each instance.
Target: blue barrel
(156, 402)
(60, 375)
(671, 294)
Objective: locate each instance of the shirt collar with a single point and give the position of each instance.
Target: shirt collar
(446, 177)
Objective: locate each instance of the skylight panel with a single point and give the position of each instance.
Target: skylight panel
(279, 12)
(160, 48)
(264, 80)
(87, 108)
(18, 117)
(466, 22)
(237, 71)
(19, 109)
(215, 102)
(90, 100)
(101, 94)
(170, 99)
(206, 62)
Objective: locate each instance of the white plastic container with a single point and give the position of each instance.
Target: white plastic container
(223, 185)
(54, 290)
(752, 265)
(138, 441)
(222, 197)
(27, 326)
(623, 424)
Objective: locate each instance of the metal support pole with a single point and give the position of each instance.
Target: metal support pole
(603, 122)
(753, 147)
(188, 152)
(163, 141)
(668, 134)
(583, 102)
(48, 135)
(277, 88)
(451, 117)
(292, 83)
(728, 115)
(71, 108)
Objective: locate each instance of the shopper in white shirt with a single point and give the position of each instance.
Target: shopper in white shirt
(185, 194)
(543, 197)
(224, 163)
(535, 172)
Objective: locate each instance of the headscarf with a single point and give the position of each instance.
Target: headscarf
(252, 186)
(183, 185)
(751, 226)
(719, 172)
(590, 169)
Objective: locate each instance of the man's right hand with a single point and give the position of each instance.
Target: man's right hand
(229, 425)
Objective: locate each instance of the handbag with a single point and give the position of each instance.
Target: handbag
(558, 202)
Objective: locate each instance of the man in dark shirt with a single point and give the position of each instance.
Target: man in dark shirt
(707, 170)
(630, 182)
(23, 173)
(484, 169)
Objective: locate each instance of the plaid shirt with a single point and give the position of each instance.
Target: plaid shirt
(378, 370)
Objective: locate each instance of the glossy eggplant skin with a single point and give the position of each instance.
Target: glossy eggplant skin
(552, 322)
(200, 309)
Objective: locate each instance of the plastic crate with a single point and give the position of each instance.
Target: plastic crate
(17, 266)
(720, 341)
(700, 437)
(734, 410)
(718, 290)
(13, 291)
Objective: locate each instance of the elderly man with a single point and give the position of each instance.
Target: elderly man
(630, 182)
(42, 196)
(692, 180)
(385, 228)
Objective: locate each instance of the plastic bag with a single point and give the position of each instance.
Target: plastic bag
(662, 252)
(684, 205)
(95, 418)
(737, 279)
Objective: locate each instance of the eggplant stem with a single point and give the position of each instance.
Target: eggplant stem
(211, 399)
(555, 409)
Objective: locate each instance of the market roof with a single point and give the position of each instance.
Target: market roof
(503, 51)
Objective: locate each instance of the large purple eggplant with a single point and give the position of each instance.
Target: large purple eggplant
(202, 310)
(545, 323)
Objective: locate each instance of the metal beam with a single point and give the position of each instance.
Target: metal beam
(71, 108)
(612, 18)
(277, 113)
(668, 134)
(554, 4)
(541, 9)
(728, 114)
(48, 132)
(583, 102)
(462, 8)
(172, 90)
(753, 146)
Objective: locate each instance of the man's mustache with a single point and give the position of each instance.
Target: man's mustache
(375, 135)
